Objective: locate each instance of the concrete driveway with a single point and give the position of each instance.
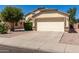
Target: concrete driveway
(36, 42)
(33, 41)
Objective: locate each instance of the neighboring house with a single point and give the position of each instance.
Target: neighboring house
(19, 25)
(49, 20)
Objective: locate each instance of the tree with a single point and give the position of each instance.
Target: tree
(12, 15)
(1, 18)
(72, 14)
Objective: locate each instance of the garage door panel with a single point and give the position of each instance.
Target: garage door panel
(50, 26)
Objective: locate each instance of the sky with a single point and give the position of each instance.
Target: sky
(29, 8)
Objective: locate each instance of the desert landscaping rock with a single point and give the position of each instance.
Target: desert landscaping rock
(70, 38)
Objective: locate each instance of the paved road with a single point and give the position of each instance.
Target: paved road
(36, 42)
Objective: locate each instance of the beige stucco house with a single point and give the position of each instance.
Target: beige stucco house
(48, 20)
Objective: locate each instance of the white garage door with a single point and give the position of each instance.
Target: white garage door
(50, 26)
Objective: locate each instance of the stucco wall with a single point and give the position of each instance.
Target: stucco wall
(27, 17)
(56, 19)
(30, 15)
(46, 15)
(67, 22)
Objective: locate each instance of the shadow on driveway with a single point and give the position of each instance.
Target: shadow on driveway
(11, 49)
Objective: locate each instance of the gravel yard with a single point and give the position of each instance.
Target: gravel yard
(70, 38)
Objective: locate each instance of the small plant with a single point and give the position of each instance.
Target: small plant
(28, 26)
(3, 28)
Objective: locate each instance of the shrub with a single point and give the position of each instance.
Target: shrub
(28, 26)
(3, 28)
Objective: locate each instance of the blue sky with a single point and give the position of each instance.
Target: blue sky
(28, 8)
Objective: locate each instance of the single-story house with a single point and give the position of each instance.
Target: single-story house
(48, 20)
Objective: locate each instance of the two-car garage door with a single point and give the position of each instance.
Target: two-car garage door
(53, 24)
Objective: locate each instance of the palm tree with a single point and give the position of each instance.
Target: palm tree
(72, 19)
(72, 14)
(12, 15)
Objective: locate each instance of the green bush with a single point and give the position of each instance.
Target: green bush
(28, 26)
(3, 28)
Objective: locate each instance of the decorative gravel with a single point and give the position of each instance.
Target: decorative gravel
(70, 38)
